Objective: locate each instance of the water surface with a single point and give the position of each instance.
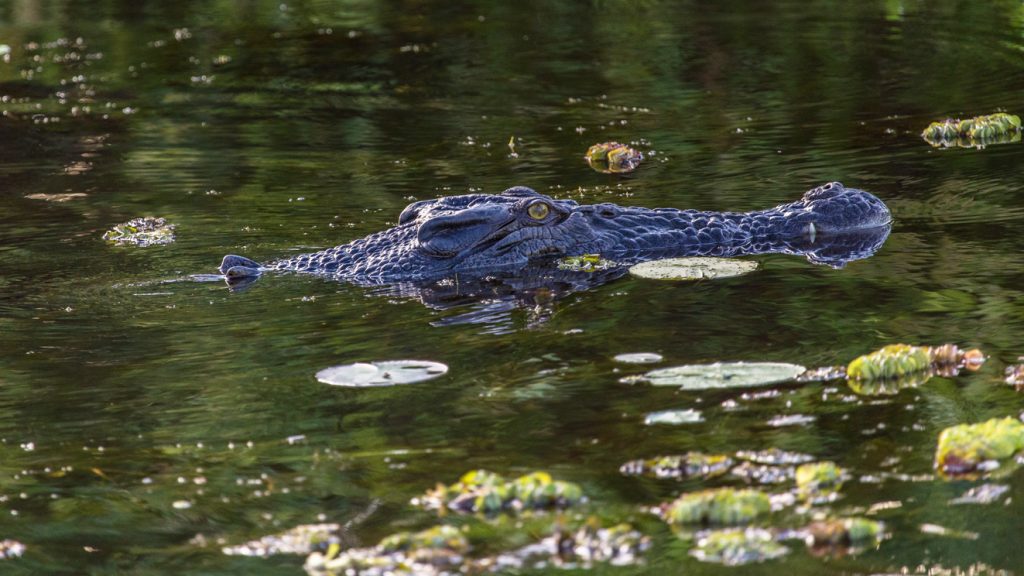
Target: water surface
(137, 411)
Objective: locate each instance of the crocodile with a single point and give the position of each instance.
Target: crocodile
(478, 235)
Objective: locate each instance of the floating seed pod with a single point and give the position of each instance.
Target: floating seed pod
(613, 158)
(968, 448)
(723, 506)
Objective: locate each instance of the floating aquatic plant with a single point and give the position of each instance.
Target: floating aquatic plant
(672, 417)
(722, 506)
(422, 552)
(819, 480)
(974, 132)
(1015, 375)
(738, 546)
(639, 358)
(901, 360)
(385, 373)
(489, 493)
(298, 540)
(723, 375)
(613, 158)
(619, 545)
(844, 532)
(585, 263)
(689, 465)
(968, 448)
(694, 268)
(141, 232)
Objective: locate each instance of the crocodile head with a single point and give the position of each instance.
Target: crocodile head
(512, 228)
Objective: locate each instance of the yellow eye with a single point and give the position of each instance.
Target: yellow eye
(538, 211)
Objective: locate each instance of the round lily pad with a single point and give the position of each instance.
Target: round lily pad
(687, 416)
(696, 268)
(386, 373)
(639, 358)
(724, 375)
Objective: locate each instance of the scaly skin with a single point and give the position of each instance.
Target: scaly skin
(478, 234)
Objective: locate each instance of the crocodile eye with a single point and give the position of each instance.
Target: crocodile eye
(538, 211)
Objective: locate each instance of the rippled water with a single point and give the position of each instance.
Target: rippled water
(139, 409)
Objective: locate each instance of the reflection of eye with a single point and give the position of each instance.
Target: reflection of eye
(538, 211)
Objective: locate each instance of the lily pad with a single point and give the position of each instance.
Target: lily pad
(386, 373)
(724, 375)
(696, 268)
(687, 416)
(639, 358)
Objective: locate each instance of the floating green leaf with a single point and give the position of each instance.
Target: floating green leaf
(737, 547)
(723, 375)
(385, 373)
(967, 448)
(695, 268)
(141, 232)
(613, 158)
(717, 506)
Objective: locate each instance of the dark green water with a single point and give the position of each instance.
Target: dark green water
(266, 128)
